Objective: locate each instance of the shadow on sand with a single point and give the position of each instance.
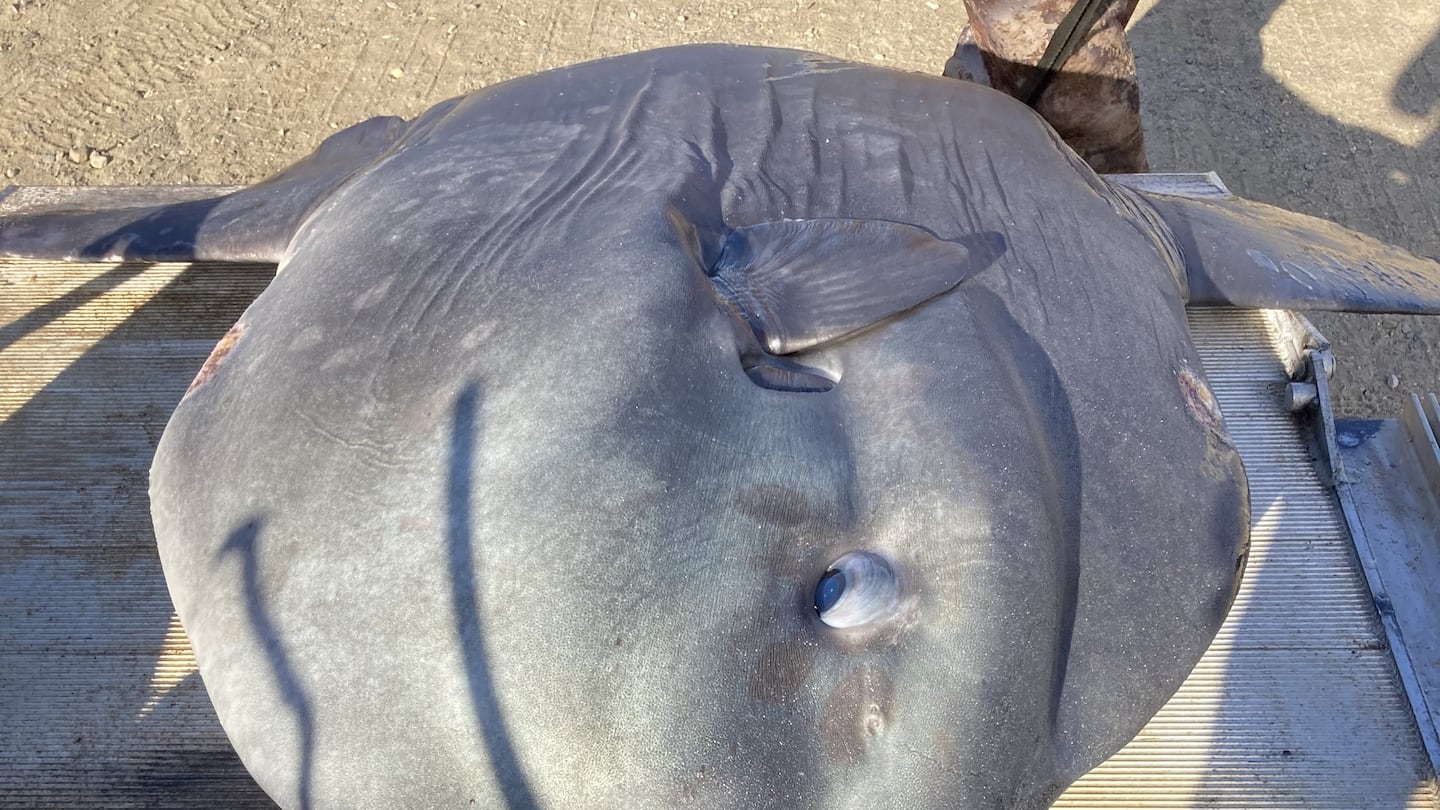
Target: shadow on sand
(1208, 104)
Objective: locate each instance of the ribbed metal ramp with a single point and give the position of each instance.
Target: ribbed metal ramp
(1297, 702)
(1296, 705)
(100, 705)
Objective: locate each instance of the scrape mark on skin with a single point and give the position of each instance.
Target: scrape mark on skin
(1221, 458)
(1200, 402)
(809, 65)
(217, 356)
(855, 714)
(782, 670)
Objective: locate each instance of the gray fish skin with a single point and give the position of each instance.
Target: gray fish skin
(478, 502)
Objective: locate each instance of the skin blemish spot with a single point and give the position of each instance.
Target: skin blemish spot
(855, 714)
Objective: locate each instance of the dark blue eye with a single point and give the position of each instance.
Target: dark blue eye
(828, 592)
(856, 589)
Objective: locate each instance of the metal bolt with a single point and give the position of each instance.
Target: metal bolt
(1300, 395)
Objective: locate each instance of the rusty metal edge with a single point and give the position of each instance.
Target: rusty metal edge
(1421, 423)
(1345, 485)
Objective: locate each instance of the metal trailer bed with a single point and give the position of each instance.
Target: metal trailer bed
(1313, 695)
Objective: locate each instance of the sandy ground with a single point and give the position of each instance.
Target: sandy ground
(1330, 107)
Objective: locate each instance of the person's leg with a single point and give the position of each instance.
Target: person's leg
(1092, 98)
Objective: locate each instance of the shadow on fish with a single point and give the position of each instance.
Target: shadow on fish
(715, 426)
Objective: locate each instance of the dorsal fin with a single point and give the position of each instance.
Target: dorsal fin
(801, 283)
(1248, 254)
(253, 224)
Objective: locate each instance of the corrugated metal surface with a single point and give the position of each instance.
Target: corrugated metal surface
(100, 705)
(1296, 705)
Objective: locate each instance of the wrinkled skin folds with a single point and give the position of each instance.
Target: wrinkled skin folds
(516, 484)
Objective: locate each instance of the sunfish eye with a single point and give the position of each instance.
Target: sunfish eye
(856, 589)
(829, 591)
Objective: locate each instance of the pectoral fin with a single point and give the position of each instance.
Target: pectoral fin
(802, 283)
